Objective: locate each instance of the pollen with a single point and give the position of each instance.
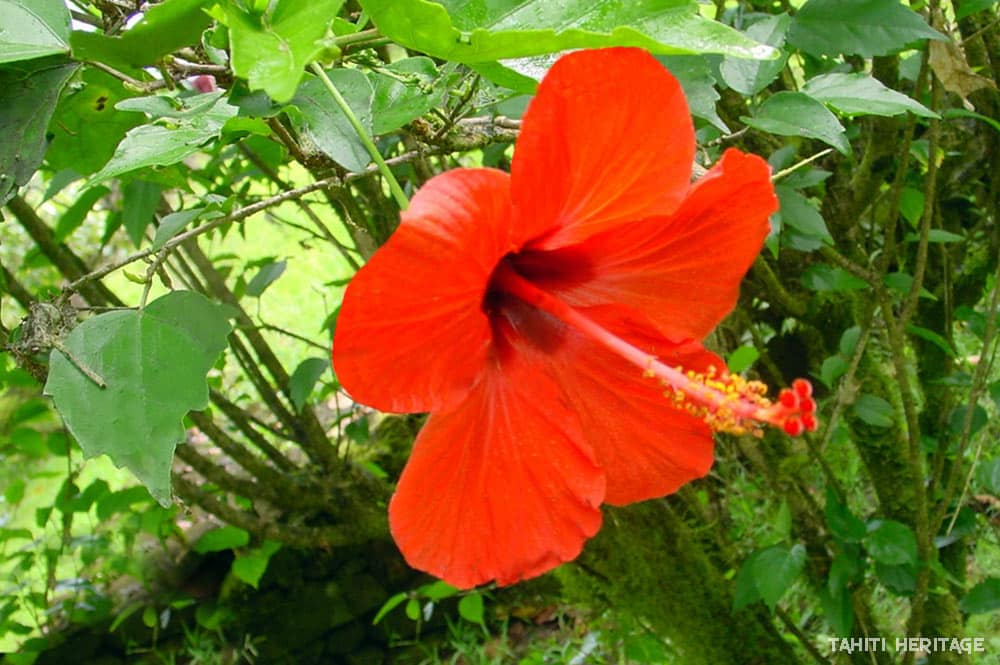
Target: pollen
(730, 403)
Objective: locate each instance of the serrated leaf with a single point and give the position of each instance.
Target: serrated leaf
(303, 379)
(748, 77)
(873, 410)
(862, 94)
(32, 29)
(164, 28)
(982, 598)
(223, 538)
(154, 363)
(325, 125)
(271, 50)
(797, 114)
(167, 142)
(466, 31)
(265, 276)
(857, 27)
(27, 99)
(891, 543)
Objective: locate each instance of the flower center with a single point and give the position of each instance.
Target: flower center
(727, 402)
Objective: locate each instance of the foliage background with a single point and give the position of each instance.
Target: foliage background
(190, 145)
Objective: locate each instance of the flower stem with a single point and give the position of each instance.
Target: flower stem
(397, 191)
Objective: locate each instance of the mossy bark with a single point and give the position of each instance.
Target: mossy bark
(649, 562)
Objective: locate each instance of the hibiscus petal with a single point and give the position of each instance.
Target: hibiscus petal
(647, 446)
(502, 488)
(607, 140)
(682, 271)
(411, 335)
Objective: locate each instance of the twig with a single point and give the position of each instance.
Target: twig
(362, 133)
(795, 167)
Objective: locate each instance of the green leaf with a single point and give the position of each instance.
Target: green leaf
(841, 521)
(901, 282)
(774, 570)
(389, 605)
(797, 114)
(694, 73)
(891, 543)
(32, 29)
(861, 94)
(988, 475)
(265, 276)
(970, 7)
(403, 95)
(27, 100)
(471, 609)
(911, 205)
(936, 235)
(873, 410)
(745, 591)
(74, 216)
(438, 590)
(957, 419)
(272, 50)
(932, 337)
(303, 379)
(120, 501)
(86, 127)
(821, 277)
(223, 538)
(832, 369)
(250, 566)
(154, 363)
(900, 578)
(322, 122)
(139, 202)
(168, 142)
(172, 224)
(466, 31)
(857, 27)
(800, 214)
(838, 611)
(748, 77)
(164, 28)
(982, 598)
(742, 358)
(849, 341)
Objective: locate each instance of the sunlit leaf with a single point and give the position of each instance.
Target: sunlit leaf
(466, 31)
(154, 363)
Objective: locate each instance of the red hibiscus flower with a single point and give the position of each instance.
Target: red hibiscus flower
(550, 320)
